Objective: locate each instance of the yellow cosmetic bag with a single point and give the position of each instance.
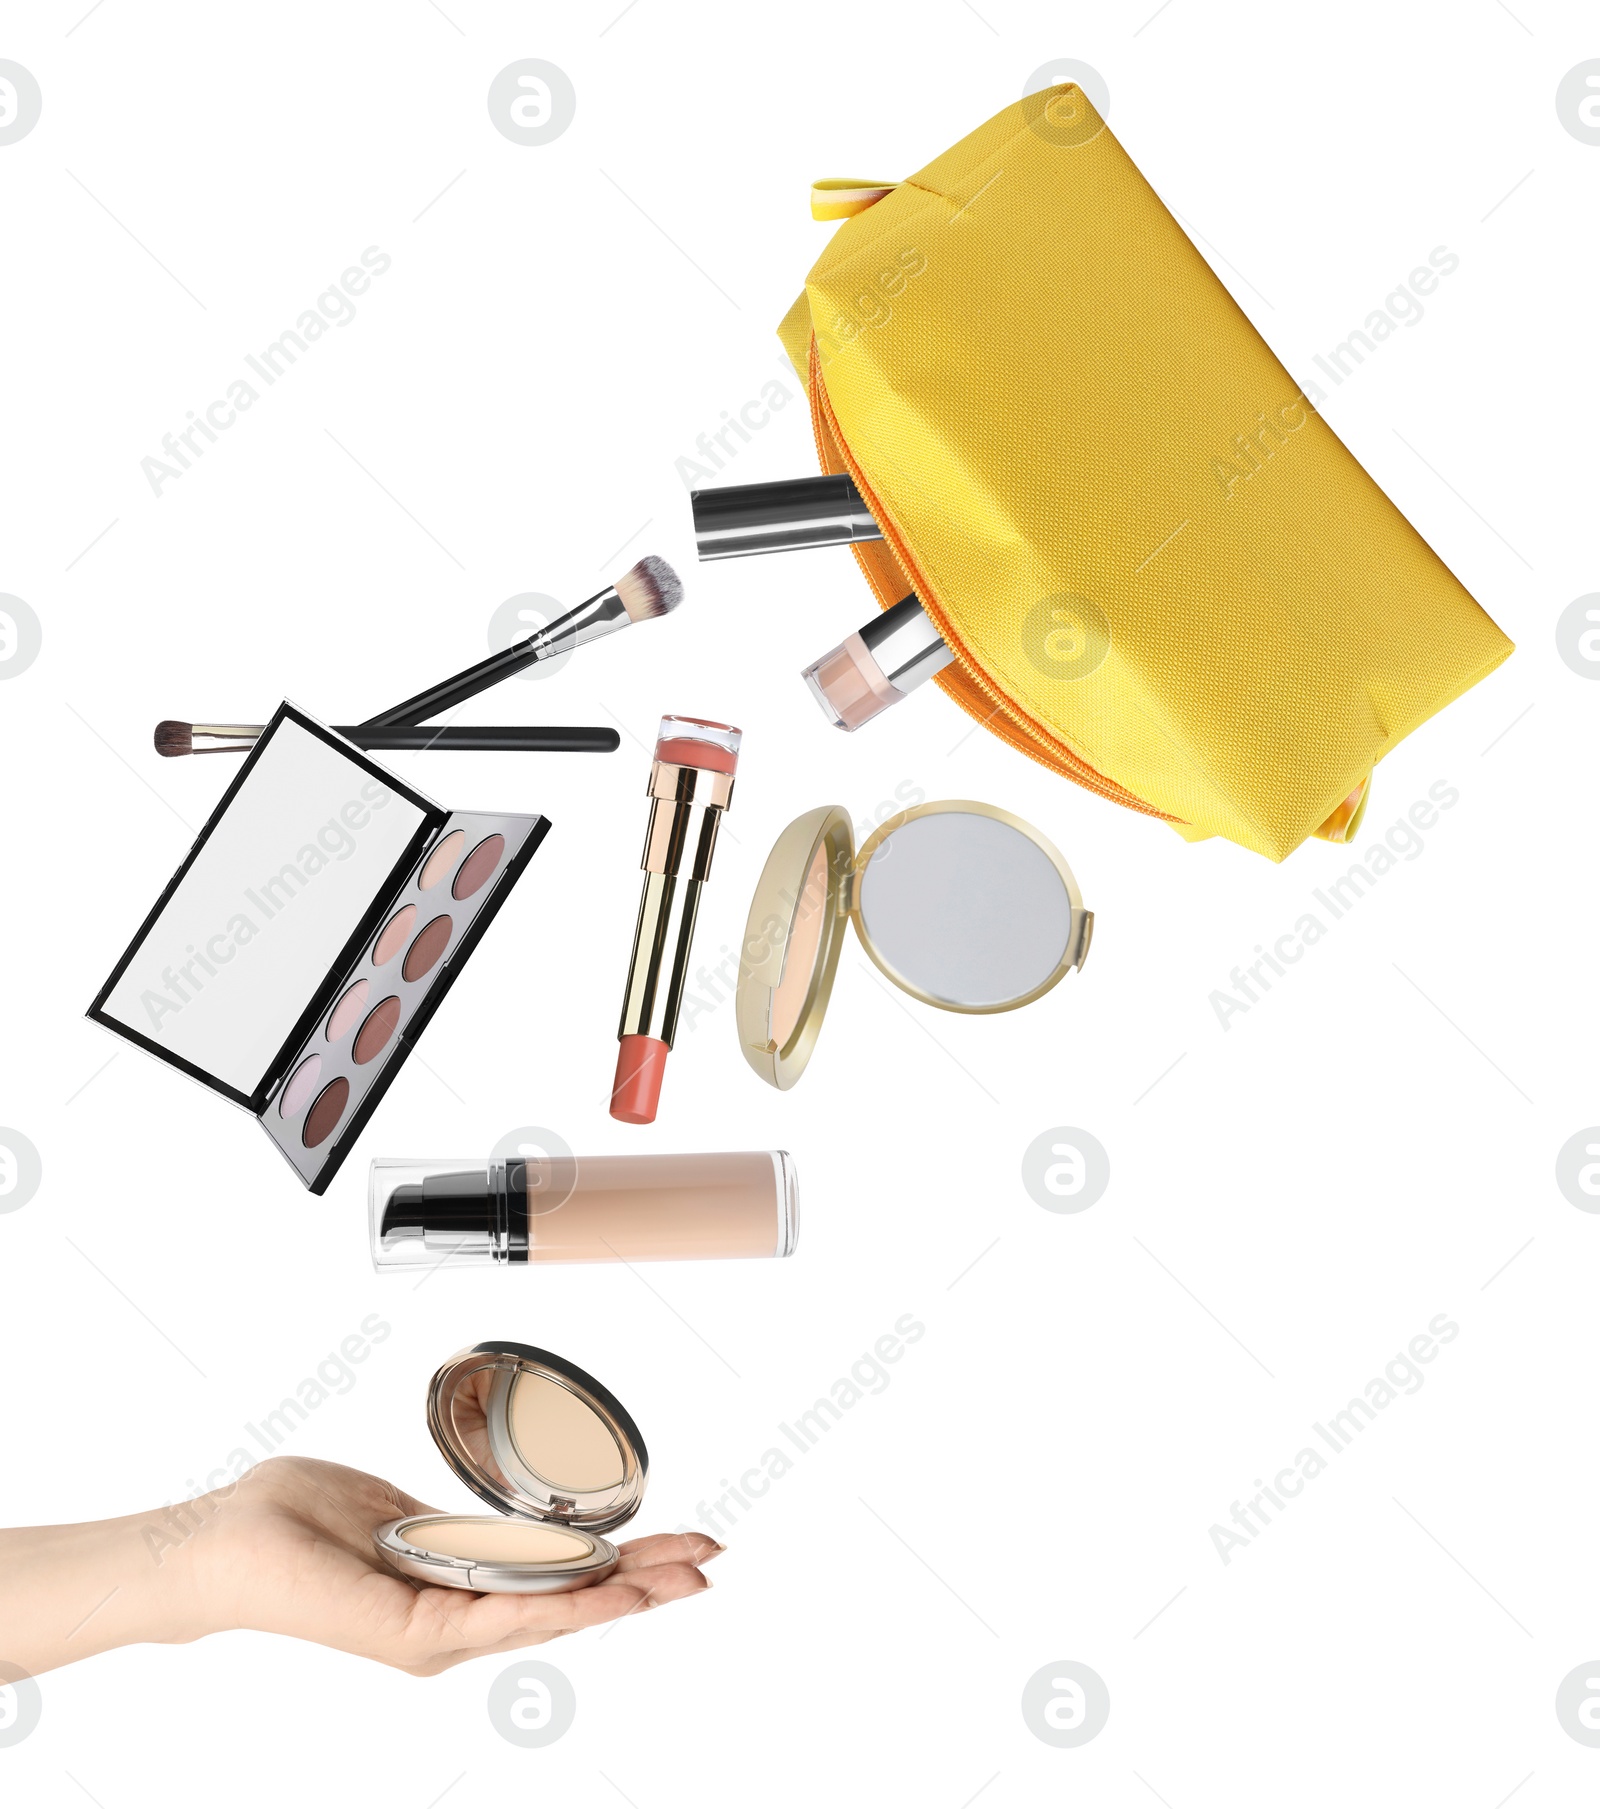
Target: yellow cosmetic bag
(1159, 570)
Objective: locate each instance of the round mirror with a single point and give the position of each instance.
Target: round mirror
(532, 1434)
(966, 907)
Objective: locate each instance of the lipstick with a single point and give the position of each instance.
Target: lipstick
(691, 784)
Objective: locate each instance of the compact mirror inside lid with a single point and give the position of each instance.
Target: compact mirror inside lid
(534, 1436)
(969, 908)
(792, 940)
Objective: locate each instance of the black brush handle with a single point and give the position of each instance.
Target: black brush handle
(378, 736)
(453, 691)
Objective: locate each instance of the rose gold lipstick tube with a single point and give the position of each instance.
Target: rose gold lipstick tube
(583, 1209)
(691, 784)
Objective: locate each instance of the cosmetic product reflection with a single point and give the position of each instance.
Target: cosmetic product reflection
(691, 785)
(878, 665)
(737, 520)
(550, 1449)
(301, 949)
(643, 593)
(583, 1209)
(174, 740)
(961, 905)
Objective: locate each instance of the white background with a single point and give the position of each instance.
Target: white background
(1289, 1204)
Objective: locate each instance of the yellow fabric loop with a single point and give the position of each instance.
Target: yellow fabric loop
(838, 197)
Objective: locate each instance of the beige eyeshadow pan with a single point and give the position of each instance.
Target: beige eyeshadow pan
(437, 866)
(393, 936)
(347, 1012)
(302, 1084)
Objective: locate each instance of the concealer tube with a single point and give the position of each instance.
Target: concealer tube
(878, 665)
(583, 1209)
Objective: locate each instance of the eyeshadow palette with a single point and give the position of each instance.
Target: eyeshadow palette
(300, 950)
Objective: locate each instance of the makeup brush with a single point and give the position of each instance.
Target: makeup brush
(647, 590)
(174, 739)
(781, 517)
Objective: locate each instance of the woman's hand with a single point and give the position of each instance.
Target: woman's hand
(289, 1550)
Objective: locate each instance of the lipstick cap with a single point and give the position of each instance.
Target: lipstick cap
(691, 741)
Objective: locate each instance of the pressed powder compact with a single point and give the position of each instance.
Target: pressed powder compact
(962, 905)
(554, 1453)
(300, 950)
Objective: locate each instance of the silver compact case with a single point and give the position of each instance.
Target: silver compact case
(554, 1453)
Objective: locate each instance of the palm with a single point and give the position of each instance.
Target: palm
(299, 1532)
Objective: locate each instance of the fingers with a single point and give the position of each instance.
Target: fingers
(668, 1548)
(464, 1626)
(408, 1504)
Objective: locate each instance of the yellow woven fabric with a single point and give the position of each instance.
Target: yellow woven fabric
(1160, 570)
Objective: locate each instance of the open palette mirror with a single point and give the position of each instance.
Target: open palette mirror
(551, 1450)
(297, 954)
(962, 905)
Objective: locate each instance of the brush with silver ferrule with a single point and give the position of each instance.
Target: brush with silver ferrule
(780, 518)
(175, 739)
(872, 669)
(647, 590)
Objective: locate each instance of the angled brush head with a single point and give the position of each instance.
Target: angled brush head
(649, 589)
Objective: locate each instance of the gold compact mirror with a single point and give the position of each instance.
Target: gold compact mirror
(961, 905)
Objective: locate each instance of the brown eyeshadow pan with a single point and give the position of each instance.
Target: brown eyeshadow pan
(478, 866)
(428, 947)
(373, 1036)
(324, 1116)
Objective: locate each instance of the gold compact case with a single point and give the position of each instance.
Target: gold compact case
(962, 905)
(554, 1453)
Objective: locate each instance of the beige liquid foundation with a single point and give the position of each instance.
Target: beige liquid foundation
(583, 1209)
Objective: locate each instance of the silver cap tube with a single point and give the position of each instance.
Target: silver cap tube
(906, 645)
(741, 519)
